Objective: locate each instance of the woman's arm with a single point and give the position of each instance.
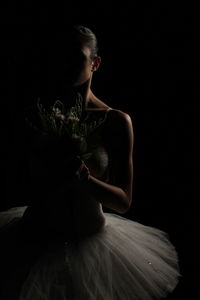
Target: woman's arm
(109, 195)
(116, 194)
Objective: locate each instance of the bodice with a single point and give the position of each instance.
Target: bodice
(98, 163)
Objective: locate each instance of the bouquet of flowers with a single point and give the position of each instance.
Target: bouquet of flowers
(65, 134)
(69, 125)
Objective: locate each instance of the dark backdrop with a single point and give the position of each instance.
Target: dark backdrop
(150, 69)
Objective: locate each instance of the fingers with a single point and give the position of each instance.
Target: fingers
(82, 173)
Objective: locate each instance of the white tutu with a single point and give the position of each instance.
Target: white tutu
(11, 215)
(124, 261)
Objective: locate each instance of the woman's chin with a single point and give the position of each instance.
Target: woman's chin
(77, 84)
(80, 83)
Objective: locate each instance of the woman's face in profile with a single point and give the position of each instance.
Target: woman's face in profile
(77, 66)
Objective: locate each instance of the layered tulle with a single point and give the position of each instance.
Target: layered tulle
(11, 215)
(125, 260)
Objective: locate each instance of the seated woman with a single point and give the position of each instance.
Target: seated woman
(87, 253)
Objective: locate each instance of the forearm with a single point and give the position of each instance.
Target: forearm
(108, 195)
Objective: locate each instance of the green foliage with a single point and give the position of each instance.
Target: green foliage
(58, 122)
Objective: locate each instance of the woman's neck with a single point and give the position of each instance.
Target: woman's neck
(84, 90)
(87, 94)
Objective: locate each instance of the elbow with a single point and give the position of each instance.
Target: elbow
(126, 206)
(123, 210)
(126, 209)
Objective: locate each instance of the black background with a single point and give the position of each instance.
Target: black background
(150, 69)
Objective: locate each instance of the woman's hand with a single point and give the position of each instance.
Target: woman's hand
(83, 173)
(79, 172)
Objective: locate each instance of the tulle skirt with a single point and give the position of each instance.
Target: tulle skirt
(124, 261)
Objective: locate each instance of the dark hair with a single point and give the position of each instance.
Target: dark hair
(85, 36)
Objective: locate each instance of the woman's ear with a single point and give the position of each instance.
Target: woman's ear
(96, 63)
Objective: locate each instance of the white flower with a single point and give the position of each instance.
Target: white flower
(77, 137)
(72, 118)
(58, 114)
(62, 117)
(56, 110)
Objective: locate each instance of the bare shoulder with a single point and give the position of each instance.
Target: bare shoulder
(116, 118)
(119, 114)
(120, 118)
